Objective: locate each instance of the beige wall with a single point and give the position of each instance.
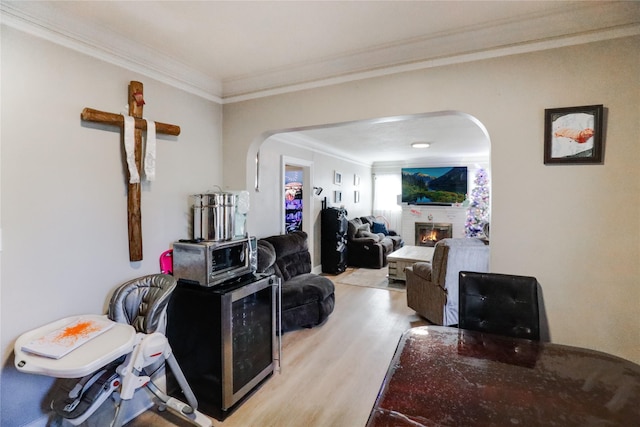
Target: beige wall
(576, 228)
(64, 203)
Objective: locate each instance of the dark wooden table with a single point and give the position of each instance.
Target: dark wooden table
(442, 376)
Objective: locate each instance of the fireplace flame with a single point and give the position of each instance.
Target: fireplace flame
(430, 237)
(428, 234)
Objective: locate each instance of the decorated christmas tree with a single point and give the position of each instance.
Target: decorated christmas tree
(478, 211)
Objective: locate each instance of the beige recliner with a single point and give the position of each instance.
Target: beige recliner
(432, 287)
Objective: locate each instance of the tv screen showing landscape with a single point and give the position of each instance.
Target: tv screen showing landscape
(434, 186)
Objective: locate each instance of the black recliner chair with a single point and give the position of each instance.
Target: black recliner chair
(307, 298)
(366, 249)
(378, 225)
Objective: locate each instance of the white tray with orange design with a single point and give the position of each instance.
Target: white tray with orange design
(73, 347)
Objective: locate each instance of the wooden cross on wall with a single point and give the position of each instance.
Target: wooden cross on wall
(136, 101)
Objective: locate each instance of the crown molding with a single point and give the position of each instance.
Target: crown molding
(560, 25)
(37, 20)
(594, 36)
(41, 20)
(311, 144)
(431, 162)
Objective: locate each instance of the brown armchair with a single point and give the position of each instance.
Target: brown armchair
(432, 288)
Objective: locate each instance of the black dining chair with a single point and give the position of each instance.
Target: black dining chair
(500, 304)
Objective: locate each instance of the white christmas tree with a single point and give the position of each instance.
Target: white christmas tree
(478, 212)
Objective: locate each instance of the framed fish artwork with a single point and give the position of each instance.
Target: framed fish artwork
(574, 135)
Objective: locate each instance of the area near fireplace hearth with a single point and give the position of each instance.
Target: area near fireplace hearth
(425, 225)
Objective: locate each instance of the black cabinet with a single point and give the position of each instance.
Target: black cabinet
(333, 245)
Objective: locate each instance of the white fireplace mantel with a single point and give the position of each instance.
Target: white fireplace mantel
(411, 214)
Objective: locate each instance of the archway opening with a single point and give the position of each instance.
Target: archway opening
(361, 152)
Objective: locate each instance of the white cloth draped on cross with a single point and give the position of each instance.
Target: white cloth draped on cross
(150, 150)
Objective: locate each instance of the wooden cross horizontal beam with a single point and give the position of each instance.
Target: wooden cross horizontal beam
(97, 116)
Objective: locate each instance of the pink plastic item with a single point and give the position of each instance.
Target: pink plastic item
(166, 262)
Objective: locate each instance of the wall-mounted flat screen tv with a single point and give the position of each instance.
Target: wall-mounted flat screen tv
(442, 186)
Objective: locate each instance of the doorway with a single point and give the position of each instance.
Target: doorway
(297, 176)
(293, 201)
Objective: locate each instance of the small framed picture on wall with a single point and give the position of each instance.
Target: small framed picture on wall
(337, 196)
(574, 135)
(356, 180)
(337, 178)
(356, 196)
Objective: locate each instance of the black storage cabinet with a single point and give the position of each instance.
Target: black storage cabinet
(333, 245)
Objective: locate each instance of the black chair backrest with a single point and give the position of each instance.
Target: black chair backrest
(500, 304)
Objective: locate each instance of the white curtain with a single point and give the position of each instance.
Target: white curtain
(386, 191)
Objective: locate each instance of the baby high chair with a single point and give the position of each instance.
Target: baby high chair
(117, 362)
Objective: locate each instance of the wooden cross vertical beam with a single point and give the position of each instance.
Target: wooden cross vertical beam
(134, 214)
(136, 102)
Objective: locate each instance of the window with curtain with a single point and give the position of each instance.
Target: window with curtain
(386, 189)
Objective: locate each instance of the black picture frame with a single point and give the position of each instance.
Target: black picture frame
(574, 135)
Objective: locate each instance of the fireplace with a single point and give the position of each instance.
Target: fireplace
(429, 233)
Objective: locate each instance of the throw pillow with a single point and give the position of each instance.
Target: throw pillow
(380, 227)
(369, 235)
(363, 228)
(365, 231)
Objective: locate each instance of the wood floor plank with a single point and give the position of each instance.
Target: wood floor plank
(330, 374)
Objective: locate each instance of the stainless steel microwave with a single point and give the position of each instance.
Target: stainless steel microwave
(209, 263)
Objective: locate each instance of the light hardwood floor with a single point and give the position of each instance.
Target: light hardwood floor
(330, 374)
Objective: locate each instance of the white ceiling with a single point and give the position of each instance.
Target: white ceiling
(228, 51)
(454, 138)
